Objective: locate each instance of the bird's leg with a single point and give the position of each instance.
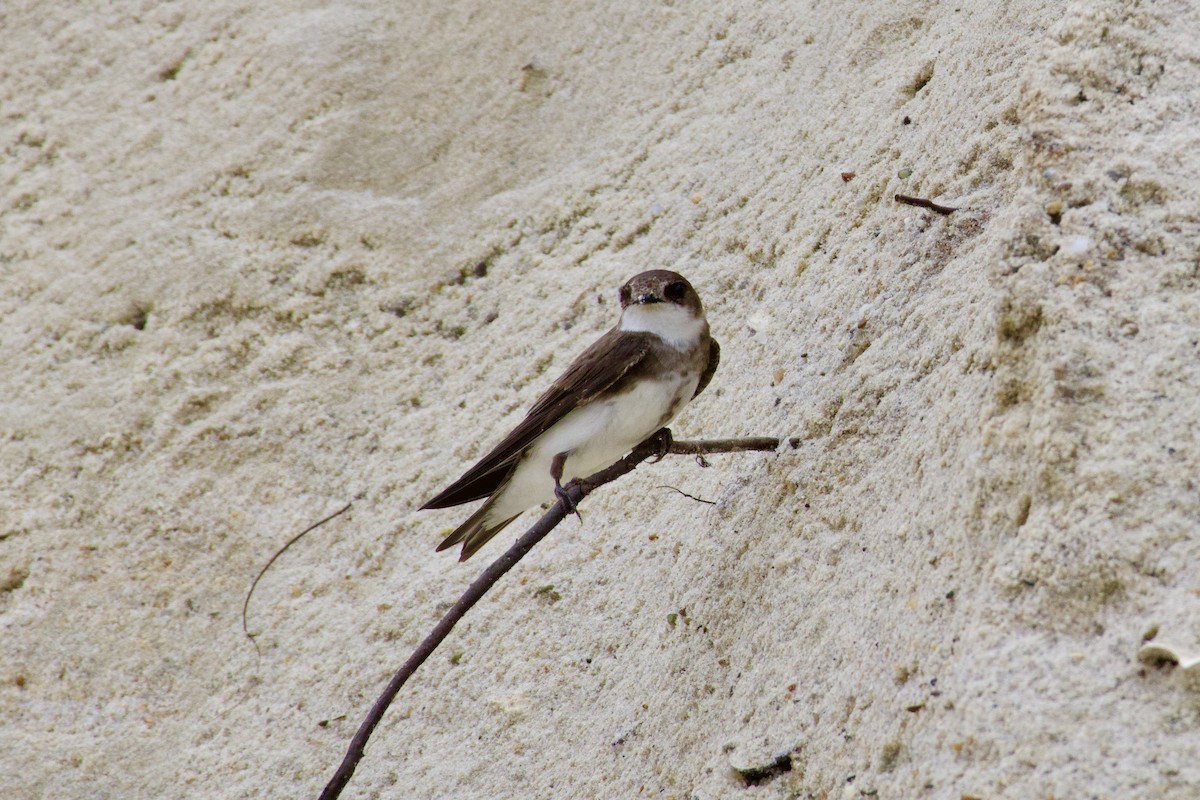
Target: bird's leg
(662, 439)
(556, 472)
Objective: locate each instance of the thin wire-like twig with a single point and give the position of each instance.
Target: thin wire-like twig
(271, 560)
(688, 496)
(575, 492)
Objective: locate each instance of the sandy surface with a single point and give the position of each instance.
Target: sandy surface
(260, 260)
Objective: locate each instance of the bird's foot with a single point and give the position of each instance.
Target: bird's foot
(565, 496)
(661, 440)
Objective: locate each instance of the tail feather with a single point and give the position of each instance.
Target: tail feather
(474, 533)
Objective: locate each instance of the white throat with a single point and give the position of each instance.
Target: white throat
(674, 324)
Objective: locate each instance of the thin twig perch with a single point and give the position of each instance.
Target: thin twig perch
(576, 491)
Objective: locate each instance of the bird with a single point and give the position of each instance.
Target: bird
(627, 385)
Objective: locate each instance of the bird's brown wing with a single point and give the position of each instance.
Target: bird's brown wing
(608, 360)
(714, 358)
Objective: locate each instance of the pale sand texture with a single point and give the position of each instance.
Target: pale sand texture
(258, 260)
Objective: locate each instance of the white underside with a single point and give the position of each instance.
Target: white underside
(676, 325)
(594, 437)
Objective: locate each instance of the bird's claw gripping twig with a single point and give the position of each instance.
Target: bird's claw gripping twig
(662, 440)
(565, 496)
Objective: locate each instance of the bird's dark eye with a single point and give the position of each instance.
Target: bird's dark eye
(625, 294)
(676, 291)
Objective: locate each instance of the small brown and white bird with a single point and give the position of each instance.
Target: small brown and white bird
(632, 381)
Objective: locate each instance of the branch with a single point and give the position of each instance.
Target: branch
(657, 445)
(703, 447)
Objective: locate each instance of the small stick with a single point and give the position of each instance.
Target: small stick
(574, 492)
(921, 202)
(271, 560)
(688, 496)
(702, 447)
